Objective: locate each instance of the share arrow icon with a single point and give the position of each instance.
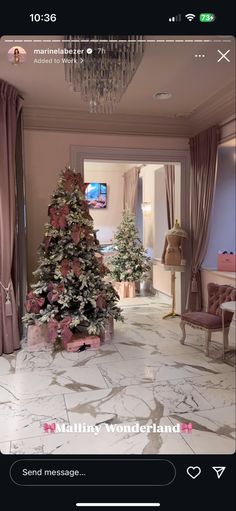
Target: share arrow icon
(219, 471)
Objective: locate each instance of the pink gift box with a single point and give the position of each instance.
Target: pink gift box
(227, 262)
(37, 337)
(125, 289)
(92, 341)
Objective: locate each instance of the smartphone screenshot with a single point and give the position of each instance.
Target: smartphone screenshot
(118, 259)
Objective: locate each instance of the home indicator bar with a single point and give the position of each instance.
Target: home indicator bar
(119, 504)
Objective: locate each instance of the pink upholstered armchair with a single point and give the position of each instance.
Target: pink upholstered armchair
(211, 321)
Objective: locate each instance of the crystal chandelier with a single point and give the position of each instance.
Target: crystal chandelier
(100, 68)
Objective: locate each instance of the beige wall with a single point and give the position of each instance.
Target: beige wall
(149, 195)
(46, 152)
(108, 219)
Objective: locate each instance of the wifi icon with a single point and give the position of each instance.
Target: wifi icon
(190, 17)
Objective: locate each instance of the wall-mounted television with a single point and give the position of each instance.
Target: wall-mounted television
(96, 195)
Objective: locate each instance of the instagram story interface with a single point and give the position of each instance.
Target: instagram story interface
(118, 331)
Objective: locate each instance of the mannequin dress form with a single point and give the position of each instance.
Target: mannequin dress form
(173, 258)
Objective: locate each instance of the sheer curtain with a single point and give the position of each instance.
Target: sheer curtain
(170, 193)
(10, 107)
(131, 189)
(203, 153)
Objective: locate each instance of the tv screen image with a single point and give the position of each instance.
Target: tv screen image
(96, 195)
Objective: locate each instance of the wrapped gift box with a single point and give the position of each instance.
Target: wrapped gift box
(107, 334)
(125, 289)
(91, 341)
(227, 262)
(37, 336)
(131, 290)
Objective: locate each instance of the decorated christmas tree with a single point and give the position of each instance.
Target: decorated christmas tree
(70, 293)
(131, 262)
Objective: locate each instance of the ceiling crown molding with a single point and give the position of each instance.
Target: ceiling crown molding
(56, 119)
(212, 111)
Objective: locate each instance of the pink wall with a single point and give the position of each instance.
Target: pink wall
(46, 152)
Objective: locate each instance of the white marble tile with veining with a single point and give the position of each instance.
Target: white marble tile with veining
(131, 349)
(217, 389)
(141, 402)
(213, 430)
(7, 364)
(27, 360)
(22, 419)
(32, 384)
(159, 367)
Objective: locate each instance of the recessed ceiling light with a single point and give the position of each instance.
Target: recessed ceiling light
(162, 95)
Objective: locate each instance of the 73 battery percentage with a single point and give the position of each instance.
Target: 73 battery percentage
(207, 17)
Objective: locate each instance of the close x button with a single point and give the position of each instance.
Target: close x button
(223, 56)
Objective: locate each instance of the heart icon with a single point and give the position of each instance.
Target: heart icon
(193, 472)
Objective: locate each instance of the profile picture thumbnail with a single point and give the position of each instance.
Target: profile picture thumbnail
(17, 55)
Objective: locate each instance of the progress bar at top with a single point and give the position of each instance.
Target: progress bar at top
(119, 504)
(119, 41)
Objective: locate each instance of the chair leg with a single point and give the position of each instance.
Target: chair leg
(207, 341)
(225, 340)
(182, 326)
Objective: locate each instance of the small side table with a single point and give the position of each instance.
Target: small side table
(231, 307)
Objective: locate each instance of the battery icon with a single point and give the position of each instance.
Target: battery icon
(207, 17)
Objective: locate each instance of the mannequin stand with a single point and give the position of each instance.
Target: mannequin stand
(172, 314)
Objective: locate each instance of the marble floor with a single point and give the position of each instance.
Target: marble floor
(143, 376)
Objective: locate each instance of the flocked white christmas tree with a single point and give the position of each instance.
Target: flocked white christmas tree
(70, 293)
(131, 262)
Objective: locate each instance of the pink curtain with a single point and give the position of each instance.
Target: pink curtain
(203, 152)
(131, 189)
(10, 107)
(170, 193)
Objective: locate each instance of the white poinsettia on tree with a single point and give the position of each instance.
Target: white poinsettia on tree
(70, 294)
(131, 263)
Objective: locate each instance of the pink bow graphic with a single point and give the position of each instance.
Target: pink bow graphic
(186, 428)
(49, 428)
